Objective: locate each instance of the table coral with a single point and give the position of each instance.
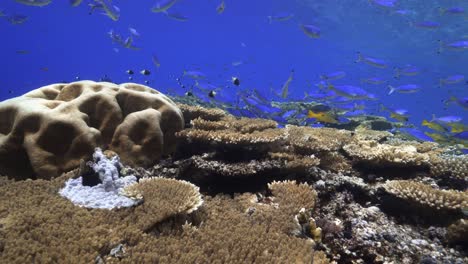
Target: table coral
(427, 196)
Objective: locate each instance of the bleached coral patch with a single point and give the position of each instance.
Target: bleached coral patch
(106, 194)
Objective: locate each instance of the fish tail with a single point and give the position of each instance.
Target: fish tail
(433, 117)
(270, 19)
(425, 122)
(392, 89)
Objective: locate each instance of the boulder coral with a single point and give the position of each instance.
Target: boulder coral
(47, 131)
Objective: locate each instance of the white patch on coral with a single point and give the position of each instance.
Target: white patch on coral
(105, 195)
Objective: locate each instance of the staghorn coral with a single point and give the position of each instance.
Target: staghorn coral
(308, 140)
(47, 131)
(427, 196)
(293, 196)
(191, 112)
(453, 166)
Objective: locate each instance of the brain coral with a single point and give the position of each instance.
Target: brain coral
(48, 130)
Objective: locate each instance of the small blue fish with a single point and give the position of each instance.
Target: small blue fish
(155, 60)
(417, 134)
(34, 2)
(17, 19)
(350, 91)
(75, 3)
(446, 119)
(454, 10)
(457, 45)
(195, 74)
(134, 32)
(111, 11)
(453, 79)
(407, 70)
(372, 61)
(385, 3)
(427, 24)
(176, 16)
(406, 88)
(333, 76)
(463, 102)
(405, 12)
(163, 5)
(285, 16)
(373, 80)
(311, 31)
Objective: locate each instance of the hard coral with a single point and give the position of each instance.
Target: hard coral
(48, 130)
(454, 166)
(308, 140)
(191, 112)
(427, 196)
(164, 198)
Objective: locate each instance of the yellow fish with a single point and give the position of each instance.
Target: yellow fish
(402, 118)
(433, 126)
(323, 117)
(439, 138)
(457, 127)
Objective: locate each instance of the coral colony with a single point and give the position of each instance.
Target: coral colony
(106, 173)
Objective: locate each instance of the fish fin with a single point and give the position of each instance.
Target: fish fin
(392, 89)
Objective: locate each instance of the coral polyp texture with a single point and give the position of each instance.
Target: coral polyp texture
(425, 195)
(47, 131)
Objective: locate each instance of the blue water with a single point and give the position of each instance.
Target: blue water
(65, 43)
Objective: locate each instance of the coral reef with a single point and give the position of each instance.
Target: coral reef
(239, 190)
(47, 131)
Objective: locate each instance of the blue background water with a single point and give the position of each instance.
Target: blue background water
(71, 43)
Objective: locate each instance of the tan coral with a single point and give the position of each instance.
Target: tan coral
(163, 198)
(458, 232)
(381, 155)
(291, 194)
(427, 196)
(48, 130)
(294, 161)
(454, 166)
(227, 137)
(308, 140)
(242, 125)
(191, 112)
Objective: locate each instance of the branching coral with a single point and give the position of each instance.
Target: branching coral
(454, 166)
(427, 196)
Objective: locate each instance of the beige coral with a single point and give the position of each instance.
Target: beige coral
(454, 166)
(163, 198)
(191, 112)
(48, 130)
(376, 154)
(309, 140)
(427, 196)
